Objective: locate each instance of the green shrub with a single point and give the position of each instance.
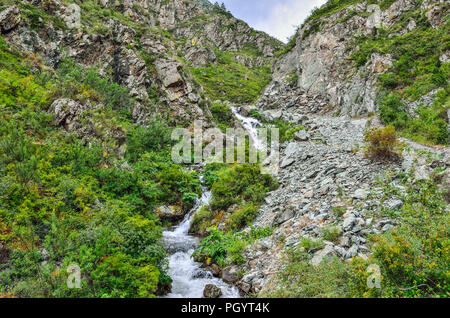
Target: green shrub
(240, 182)
(301, 279)
(153, 137)
(332, 233)
(339, 211)
(78, 83)
(382, 143)
(311, 245)
(242, 216)
(223, 115)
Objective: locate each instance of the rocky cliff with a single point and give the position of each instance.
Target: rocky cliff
(147, 46)
(323, 63)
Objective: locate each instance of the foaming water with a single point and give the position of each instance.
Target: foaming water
(189, 279)
(250, 125)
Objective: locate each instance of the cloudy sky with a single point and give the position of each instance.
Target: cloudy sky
(278, 18)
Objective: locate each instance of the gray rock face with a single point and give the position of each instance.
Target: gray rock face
(168, 73)
(200, 56)
(212, 291)
(9, 18)
(66, 113)
(321, 60)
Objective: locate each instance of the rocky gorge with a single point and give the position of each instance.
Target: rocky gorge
(191, 60)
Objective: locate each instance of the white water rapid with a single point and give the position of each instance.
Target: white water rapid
(250, 125)
(189, 279)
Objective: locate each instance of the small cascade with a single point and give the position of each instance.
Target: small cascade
(250, 125)
(189, 279)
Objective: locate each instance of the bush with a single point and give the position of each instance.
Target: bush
(332, 233)
(300, 279)
(240, 182)
(242, 216)
(311, 245)
(339, 211)
(392, 111)
(223, 115)
(382, 143)
(156, 136)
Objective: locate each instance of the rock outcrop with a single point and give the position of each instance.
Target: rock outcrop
(321, 60)
(139, 46)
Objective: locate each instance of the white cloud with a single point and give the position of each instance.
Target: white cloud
(285, 16)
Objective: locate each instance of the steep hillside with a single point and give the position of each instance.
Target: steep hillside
(150, 47)
(371, 57)
(342, 217)
(90, 92)
(88, 97)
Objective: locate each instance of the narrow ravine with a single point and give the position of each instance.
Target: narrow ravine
(189, 279)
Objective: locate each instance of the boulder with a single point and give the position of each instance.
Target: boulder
(229, 274)
(200, 56)
(301, 135)
(170, 213)
(286, 162)
(212, 291)
(283, 216)
(349, 223)
(215, 270)
(66, 112)
(168, 73)
(360, 194)
(352, 251)
(9, 18)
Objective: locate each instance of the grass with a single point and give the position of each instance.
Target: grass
(413, 257)
(230, 80)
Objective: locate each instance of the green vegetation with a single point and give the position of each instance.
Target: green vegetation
(300, 279)
(226, 249)
(311, 245)
(339, 211)
(413, 257)
(66, 201)
(383, 143)
(416, 71)
(223, 115)
(237, 190)
(332, 233)
(230, 80)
